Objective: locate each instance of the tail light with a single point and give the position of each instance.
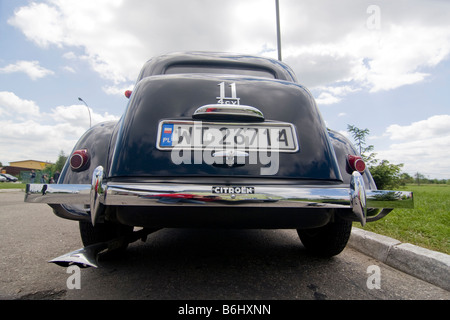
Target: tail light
(79, 160)
(356, 163)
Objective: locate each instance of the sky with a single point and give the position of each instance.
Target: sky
(378, 65)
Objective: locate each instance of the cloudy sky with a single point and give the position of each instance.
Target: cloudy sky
(380, 65)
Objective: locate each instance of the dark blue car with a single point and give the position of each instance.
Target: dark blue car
(217, 140)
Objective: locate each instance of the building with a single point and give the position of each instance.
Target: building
(20, 168)
(30, 164)
(14, 171)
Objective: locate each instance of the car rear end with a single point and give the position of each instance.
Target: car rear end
(224, 146)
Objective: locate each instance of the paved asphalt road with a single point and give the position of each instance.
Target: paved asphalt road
(181, 264)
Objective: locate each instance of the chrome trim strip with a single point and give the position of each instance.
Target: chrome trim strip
(58, 193)
(126, 194)
(389, 199)
(133, 194)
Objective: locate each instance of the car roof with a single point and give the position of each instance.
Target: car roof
(158, 65)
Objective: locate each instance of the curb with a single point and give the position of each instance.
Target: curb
(425, 264)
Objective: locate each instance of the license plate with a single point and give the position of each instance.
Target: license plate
(200, 135)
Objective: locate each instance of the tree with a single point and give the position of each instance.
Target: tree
(62, 158)
(385, 174)
(50, 170)
(419, 178)
(406, 179)
(359, 136)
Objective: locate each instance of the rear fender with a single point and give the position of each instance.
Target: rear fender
(342, 148)
(97, 141)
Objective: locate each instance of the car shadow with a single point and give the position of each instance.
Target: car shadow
(206, 264)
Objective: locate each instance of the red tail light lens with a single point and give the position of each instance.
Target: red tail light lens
(356, 163)
(79, 160)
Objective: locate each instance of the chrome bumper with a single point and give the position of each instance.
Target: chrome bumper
(99, 194)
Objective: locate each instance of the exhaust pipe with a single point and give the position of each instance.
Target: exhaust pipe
(88, 256)
(84, 257)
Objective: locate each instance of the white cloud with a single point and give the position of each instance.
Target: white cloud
(12, 105)
(435, 126)
(331, 95)
(39, 22)
(327, 43)
(69, 55)
(79, 115)
(31, 68)
(33, 140)
(28, 137)
(101, 32)
(69, 69)
(403, 52)
(423, 146)
(326, 98)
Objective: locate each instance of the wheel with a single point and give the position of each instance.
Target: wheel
(327, 241)
(102, 232)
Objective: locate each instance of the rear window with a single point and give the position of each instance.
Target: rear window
(232, 70)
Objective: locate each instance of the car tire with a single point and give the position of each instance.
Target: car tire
(102, 232)
(326, 241)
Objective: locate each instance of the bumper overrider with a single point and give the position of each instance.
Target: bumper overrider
(366, 205)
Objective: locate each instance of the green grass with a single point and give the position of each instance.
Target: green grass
(12, 185)
(427, 225)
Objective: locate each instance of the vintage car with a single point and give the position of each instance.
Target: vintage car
(215, 140)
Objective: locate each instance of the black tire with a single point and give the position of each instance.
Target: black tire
(327, 241)
(102, 232)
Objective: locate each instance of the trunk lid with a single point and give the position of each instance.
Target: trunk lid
(172, 110)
